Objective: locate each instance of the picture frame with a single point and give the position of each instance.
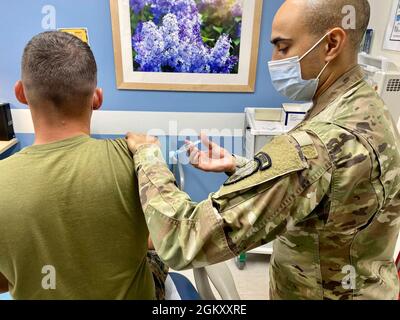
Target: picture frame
(228, 61)
(392, 35)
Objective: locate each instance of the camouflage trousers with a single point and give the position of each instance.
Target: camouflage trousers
(159, 271)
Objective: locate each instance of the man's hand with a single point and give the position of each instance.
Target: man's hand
(216, 159)
(136, 140)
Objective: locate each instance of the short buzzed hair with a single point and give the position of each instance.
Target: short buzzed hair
(323, 15)
(59, 68)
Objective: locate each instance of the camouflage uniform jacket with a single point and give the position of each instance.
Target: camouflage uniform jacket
(328, 192)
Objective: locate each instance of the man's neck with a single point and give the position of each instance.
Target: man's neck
(51, 126)
(56, 131)
(332, 78)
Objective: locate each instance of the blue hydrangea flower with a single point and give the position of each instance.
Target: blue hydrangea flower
(220, 59)
(137, 5)
(236, 9)
(149, 48)
(172, 42)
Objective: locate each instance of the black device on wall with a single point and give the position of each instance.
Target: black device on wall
(6, 123)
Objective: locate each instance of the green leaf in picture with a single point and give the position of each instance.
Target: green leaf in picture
(218, 29)
(205, 39)
(204, 16)
(238, 19)
(236, 42)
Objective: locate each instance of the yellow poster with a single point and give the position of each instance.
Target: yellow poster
(81, 33)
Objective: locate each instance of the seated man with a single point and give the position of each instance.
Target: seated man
(71, 224)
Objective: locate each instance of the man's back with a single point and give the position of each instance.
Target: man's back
(73, 205)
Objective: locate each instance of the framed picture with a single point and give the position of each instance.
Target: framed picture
(186, 45)
(392, 36)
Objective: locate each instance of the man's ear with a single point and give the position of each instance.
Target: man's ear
(97, 99)
(20, 92)
(336, 41)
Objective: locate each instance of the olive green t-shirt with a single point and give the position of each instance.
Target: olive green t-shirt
(70, 212)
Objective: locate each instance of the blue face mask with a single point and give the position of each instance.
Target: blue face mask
(287, 78)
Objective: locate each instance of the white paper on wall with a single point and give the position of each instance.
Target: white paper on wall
(392, 36)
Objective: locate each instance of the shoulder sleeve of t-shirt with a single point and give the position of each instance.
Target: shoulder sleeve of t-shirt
(119, 152)
(122, 146)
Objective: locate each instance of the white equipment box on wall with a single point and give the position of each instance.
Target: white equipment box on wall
(259, 133)
(384, 76)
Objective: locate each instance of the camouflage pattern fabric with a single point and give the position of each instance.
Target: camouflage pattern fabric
(159, 271)
(330, 200)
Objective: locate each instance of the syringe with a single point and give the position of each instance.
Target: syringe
(185, 148)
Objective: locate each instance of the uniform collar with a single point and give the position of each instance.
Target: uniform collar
(339, 88)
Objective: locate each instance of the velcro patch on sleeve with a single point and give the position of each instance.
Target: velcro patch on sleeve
(306, 144)
(284, 157)
(265, 161)
(242, 173)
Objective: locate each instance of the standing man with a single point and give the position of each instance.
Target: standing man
(328, 191)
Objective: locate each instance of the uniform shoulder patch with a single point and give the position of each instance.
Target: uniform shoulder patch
(249, 169)
(278, 158)
(262, 161)
(265, 161)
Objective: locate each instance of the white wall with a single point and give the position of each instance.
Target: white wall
(380, 15)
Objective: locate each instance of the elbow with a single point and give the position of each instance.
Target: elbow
(177, 265)
(180, 267)
(175, 260)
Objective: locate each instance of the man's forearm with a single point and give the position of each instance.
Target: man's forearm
(185, 234)
(252, 211)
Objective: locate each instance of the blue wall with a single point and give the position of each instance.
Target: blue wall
(22, 19)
